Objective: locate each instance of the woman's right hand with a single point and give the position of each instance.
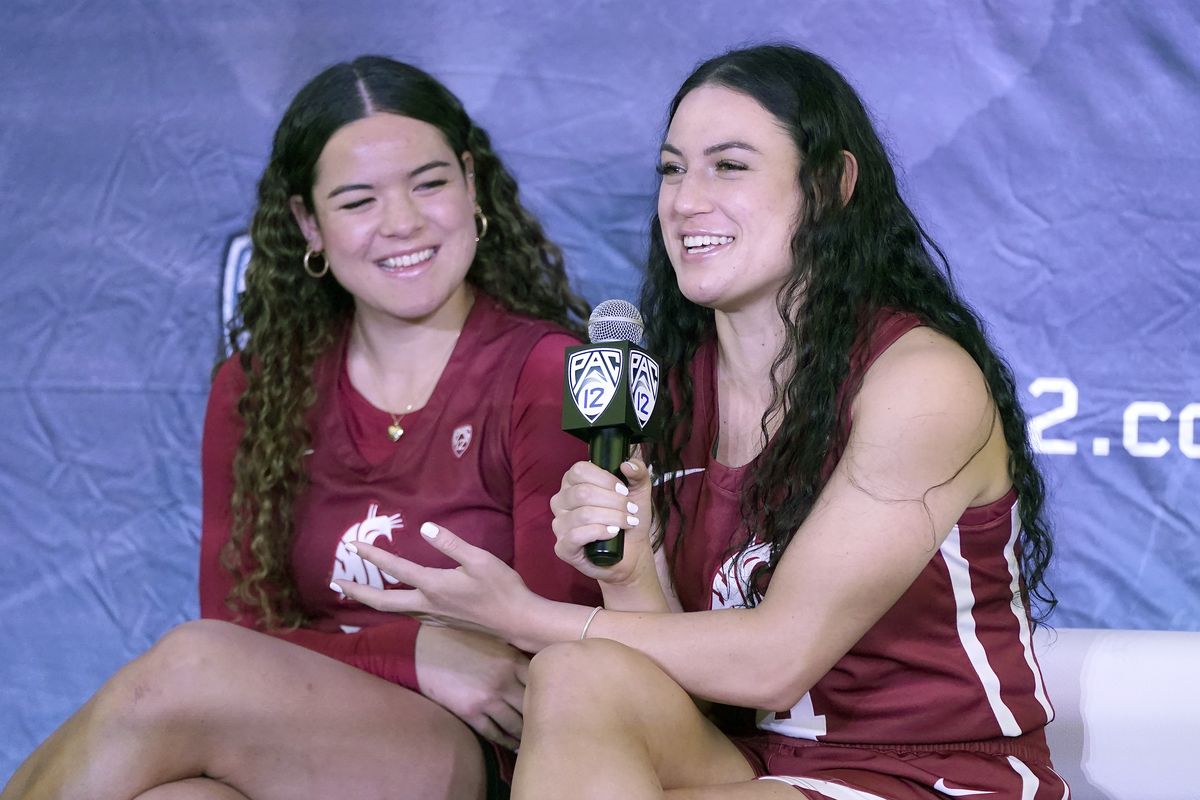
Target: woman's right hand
(477, 677)
(592, 505)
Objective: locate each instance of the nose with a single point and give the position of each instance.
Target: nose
(691, 195)
(400, 217)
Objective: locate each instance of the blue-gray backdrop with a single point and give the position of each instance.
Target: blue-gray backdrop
(1050, 146)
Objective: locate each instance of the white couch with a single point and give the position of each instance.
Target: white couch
(1127, 712)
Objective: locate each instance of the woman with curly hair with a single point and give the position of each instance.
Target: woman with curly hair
(399, 356)
(847, 508)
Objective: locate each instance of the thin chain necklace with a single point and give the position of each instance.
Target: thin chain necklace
(395, 431)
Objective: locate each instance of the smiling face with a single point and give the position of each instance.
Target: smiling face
(393, 213)
(729, 200)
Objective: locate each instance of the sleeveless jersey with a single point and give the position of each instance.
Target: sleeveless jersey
(950, 662)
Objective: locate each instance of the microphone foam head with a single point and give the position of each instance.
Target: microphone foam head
(615, 321)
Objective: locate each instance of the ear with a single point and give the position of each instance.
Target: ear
(849, 175)
(307, 221)
(468, 165)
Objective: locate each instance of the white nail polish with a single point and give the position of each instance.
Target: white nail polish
(337, 588)
(351, 548)
(613, 529)
(631, 508)
(429, 530)
(633, 521)
(622, 489)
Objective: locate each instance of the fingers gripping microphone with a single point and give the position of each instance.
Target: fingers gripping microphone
(610, 398)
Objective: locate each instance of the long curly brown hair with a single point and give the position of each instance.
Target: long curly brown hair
(288, 320)
(849, 261)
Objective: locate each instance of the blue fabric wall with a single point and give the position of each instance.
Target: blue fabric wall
(1050, 146)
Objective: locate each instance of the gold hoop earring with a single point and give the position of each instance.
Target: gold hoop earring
(308, 254)
(483, 223)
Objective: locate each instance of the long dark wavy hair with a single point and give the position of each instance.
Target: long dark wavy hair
(288, 319)
(849, 260)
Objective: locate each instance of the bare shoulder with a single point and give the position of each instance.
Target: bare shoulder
(924, 407)
(924, 372)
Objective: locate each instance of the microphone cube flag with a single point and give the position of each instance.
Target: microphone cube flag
(611, 385)
(610, 399)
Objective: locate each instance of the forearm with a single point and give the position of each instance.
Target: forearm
(686, 646)
(386, 651)
(486, 595)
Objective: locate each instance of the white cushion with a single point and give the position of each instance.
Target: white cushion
(1127, 712)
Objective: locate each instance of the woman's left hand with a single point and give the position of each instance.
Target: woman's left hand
(482, 594)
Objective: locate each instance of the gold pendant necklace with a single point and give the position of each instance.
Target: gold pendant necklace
(395, 431)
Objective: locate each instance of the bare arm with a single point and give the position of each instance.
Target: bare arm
(923, 448)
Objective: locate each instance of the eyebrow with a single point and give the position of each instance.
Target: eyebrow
(427, 167)
(716, 148)
(349, 187)
(354, 187)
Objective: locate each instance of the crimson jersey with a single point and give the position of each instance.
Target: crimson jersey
(482, 458)
(950, 665)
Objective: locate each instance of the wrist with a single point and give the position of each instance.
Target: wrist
(546, 622)
(588, 623)
(638, 591)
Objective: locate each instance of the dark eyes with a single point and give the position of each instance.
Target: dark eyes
(420, 188)
(724, 165)
(431, 185)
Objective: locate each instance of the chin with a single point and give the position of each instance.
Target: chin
(707, 296)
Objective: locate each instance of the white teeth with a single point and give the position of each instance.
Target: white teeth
(409, 260)
(691, 242)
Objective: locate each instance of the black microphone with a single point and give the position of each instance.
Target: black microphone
(610, 399)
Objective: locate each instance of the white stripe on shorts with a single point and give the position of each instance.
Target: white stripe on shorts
(835, 791)
(1029, 781)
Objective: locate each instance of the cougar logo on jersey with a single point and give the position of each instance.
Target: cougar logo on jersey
(731, 589)
(349, 566)
(643, 385)
(731, 584)
(460, 440)
(594, 374)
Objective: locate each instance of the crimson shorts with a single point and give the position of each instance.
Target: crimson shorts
(1005, 769)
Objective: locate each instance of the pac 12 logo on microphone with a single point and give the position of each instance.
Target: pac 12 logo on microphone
(643, 385)
(593, 376)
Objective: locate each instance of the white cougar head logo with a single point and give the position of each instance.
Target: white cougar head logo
(349, 566)
(731, 583)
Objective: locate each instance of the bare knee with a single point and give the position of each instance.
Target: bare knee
(584, 676)
(582, 661)
(177, 677)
